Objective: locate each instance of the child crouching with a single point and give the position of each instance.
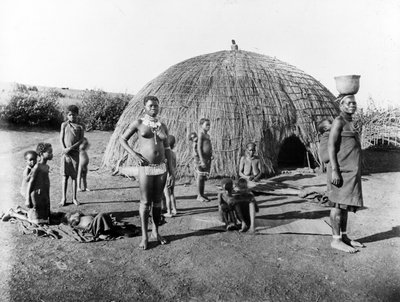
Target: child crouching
(240, 205)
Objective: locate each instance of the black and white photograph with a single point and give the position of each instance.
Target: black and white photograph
(199, 150)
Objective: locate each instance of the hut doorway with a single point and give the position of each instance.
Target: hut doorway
(292, 154)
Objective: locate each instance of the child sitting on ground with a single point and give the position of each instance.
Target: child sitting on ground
(226, 204)
(83, 165)
(170, 183)
(246, 206)
(38, 190)
(31, 159)
(324, 128)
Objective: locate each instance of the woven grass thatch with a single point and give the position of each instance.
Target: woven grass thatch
(246, 96)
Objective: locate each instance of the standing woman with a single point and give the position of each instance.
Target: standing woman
(344, 173)
(153, 159)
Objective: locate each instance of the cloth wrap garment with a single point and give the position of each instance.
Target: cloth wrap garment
(100, 225)
(348, 192)
(70, 162)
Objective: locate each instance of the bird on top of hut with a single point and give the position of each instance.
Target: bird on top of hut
(234, 46)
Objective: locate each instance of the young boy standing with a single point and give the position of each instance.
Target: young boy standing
(170, 183)
(38, 191)
(204, 150)
(31, 159)
(71, 136)
(83, 165)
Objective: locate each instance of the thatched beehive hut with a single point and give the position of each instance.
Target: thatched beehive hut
(247, 97)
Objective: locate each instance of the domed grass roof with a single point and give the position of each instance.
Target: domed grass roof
(248, 97)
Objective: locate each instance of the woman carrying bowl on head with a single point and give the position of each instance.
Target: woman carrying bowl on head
(153, 158)
(344, 173)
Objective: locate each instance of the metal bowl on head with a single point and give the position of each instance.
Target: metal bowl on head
(348, 84)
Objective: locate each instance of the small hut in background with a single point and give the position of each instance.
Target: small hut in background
(247, 97)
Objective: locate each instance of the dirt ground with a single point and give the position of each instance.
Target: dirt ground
(198, 264)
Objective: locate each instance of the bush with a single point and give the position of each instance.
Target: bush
(34, 109)
(101, 110)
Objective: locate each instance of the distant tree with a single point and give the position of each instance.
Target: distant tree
(101, 110)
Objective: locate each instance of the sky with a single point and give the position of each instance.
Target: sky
(120, 45)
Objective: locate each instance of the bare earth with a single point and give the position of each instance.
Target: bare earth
(202, 262)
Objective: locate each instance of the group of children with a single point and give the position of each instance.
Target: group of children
(234, 205)
(35, 187)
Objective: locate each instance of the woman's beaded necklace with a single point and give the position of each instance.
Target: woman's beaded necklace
(153, 124)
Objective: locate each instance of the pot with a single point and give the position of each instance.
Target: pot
(348, 84)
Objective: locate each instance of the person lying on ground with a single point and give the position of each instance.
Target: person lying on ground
(100, 226)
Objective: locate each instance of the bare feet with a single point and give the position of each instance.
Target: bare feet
(76, 202)
(143, 244)
(341, 246)
(202, 199)
(159, 238)
(168, 215)
(244, 228)
(230, 227)
(174, 212)
(352, 243)
(62, 203)
(7, 216)
(252, 230)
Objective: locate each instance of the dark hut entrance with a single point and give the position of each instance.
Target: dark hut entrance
(292, 154)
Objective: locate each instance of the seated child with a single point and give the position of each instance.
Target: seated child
(324, 128)
(245, 206)
(83, 165)
(31, 159)
(100, 226)
(225, 204)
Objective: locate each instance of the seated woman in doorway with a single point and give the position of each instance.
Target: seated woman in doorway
(250, 165)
